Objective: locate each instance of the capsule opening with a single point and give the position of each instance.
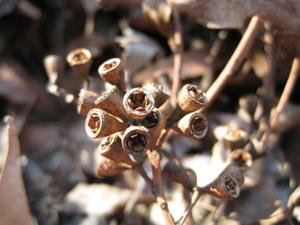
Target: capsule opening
(151, 120)
(136, 143)
(199, 125)
(138, 101)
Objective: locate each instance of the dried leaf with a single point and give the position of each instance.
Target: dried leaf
(193, 65)
(139, 49)
(3, 149)
(284, 15)
(13, 84)
(13, 201)
(98, 199)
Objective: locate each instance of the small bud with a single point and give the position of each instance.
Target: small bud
(54, 65)
(177, 173)
(112, 71)
(111, 101)
(136, 141)
(192, 125)
(138, 103)
(99, 124)
(160, 97)
(227, 185)
(80, 60)
(111, 148)
(86, 101)
(191, 98)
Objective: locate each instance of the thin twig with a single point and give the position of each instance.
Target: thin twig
(139, 189)
(158, 189)
(235, 61)
(178, 52)
(186, 201)
(195, 197)
(268, 80)
(89, 24)
(284, 97)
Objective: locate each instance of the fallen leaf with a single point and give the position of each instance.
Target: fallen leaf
(13, 201)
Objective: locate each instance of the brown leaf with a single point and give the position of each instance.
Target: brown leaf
(13, 201)
(282, 14)
(193, 66)
(98, 199)
(13, 84)
(232, 14)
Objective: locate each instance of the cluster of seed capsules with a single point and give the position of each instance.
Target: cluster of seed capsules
(132, 122)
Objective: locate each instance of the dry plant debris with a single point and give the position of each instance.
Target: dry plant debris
(166, 112)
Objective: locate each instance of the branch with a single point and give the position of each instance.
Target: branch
(235, 61)
(158, 189)
(176, 39)
(284, 97)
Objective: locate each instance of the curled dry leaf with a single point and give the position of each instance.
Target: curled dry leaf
(284, 15)
(99, 199)
(3, 149)
(13, 201)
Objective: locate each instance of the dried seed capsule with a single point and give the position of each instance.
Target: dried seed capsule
(80, 60)
(99, 123)
(241, 158)
(227, 185)
(154, 122)
(112, 71)
(111, 101)
(138, 103)
(160, 97)
(111, 147)
(193, 125)
(86, 101)
(191, 98)
(181, 175)
(136, 141)
(235, 138)
(151, 120)
(54, 65)
(107, 167)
